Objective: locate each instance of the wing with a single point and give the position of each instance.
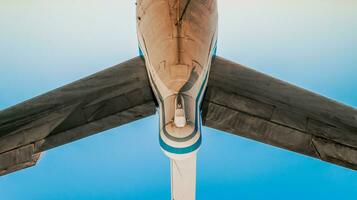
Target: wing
(247, 103)
(107, 99)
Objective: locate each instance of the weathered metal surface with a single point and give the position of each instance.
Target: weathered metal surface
(16, 156)
(19, 158)
(107, 99)
(17, 167)
(245, 102)
(97, 126)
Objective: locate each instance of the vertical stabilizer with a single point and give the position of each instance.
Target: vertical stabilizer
(183, 178)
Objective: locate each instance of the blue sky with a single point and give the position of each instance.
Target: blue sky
(46, 44)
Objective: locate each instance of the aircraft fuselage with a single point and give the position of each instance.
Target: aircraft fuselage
(178, 40)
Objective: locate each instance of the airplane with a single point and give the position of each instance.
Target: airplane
(178, 74)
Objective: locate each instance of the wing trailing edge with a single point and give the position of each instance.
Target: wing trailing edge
(247, 103)
(107, 99)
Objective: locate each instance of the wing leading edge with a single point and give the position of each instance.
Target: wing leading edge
(247, 103)
(107, 99)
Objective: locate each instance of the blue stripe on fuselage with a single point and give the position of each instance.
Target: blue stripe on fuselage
(185, 150)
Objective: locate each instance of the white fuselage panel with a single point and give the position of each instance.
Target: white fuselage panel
(177, 38)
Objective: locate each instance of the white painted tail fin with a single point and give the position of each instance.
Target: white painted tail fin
(183, 178)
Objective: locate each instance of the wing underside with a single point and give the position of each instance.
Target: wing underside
(247, 103)
(105, 100)
(238, 100)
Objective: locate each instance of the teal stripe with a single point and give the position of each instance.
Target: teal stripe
(185, 150)
(215, 49)
(141, 54)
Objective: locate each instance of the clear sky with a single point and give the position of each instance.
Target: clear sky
(46, 44)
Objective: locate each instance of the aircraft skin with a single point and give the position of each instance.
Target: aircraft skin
(178, 40)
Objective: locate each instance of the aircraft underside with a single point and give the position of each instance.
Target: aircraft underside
(179, 71)
(178, 40)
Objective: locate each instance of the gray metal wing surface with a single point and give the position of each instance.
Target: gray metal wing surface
(247, 103)
(110, 98)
